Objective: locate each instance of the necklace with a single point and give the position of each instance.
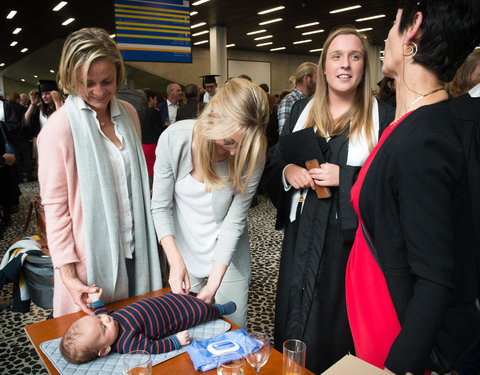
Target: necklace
(417, 100)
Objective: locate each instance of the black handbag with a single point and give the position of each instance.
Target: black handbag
(458, 333)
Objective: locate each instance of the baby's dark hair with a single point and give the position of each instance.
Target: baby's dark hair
(73, 349)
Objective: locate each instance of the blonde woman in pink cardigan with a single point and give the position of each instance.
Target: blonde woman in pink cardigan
(94, 182)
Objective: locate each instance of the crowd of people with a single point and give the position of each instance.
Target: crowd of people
(377, 195)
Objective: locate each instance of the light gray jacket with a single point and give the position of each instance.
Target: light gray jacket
(173, 163)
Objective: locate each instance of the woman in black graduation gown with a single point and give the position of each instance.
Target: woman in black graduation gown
(347, 120)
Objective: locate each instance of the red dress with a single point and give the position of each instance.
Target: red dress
(371, 313)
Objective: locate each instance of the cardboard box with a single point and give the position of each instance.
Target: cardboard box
(351, 365)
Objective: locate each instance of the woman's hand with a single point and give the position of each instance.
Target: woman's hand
(33, 97)
(207, 293)
(178, 278)
(327, 175)
(78, 290)
(298, 177)
(57, 99)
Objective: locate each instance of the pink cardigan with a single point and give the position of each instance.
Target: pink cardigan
(60, 192)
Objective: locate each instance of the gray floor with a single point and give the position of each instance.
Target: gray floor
(17, 355)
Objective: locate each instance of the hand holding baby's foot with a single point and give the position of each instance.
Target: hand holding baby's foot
(184, 338)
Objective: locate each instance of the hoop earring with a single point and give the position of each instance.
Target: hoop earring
(411, 49)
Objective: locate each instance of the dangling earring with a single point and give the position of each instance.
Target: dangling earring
(410, 49)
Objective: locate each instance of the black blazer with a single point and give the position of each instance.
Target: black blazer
(416, 207)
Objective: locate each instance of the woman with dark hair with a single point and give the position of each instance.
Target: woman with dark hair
(413, 260)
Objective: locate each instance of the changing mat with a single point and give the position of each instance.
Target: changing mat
(112, 363)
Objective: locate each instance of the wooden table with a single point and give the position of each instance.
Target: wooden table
(54, 328)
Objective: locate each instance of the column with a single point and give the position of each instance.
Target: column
(218, 53)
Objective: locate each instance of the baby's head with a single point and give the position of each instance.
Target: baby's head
(88, 338)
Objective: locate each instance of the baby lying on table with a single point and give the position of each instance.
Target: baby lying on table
(157, 325)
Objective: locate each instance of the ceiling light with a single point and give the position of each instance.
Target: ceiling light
(256, 32)
(306, 25)
(68, 22)
(302, 41)
(200, 2)
(270, 21)
(193, 13)
(277, 49)
(370, 18)
(35, 76)
(264, 37)
(22, 79)
(112, 35)
(316, 50)
(201, 33)
(201, 42)
(264, 44)
(477, 47)
(198, 25)
(313, 32)
(11, 14)
(17, 30)
(24, 50)
(2, 64)
(365, 29)
(13, 44)
(230, 45)
(345, 9)
(271, 10)
(59, 6)
(52, 71)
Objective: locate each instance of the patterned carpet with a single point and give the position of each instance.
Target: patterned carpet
(17, 355)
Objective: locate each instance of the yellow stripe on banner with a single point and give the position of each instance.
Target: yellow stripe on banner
(153, 50)
(164, 14)
(152, 25)
(153, 30)
(150, 37)
(150, 8)
(151, 18)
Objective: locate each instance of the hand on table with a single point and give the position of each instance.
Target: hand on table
(184, 338)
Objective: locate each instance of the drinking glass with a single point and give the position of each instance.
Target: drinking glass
(294, 357)
(137, 362)
(231, 364)
(257, 357)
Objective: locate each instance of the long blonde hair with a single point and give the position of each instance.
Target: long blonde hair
(240, 105)
(359, 116)
(462, 81)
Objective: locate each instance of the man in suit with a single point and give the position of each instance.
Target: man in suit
(193, 107)
(171, 105)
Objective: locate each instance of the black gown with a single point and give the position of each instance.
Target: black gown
(310, 302)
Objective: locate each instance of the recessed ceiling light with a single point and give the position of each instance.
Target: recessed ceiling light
(370, 18)
(316, 50)
(17, 30)
(302, 41)
(277, 49)
(59, 6)
(198, 25)
(230, 45)
(345, 9)
(256, 32)
(264, 44)
(11, 14)
(52, 71)
(307, 24)
(24, 50)
(313, 32)
(2, 64)
(270, 21)
(112, 35)
(199, 2)
(365, 29)
(264, 37)
(271, 10)
(22, 79)
(201, 33)
(201, 42)
(35, 76)
(477, 47)
(13, 44)
(193, 13)
(68, 22)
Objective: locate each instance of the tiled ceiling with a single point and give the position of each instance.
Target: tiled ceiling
(41, 26)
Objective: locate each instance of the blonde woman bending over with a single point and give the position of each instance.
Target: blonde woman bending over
(205, 175)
